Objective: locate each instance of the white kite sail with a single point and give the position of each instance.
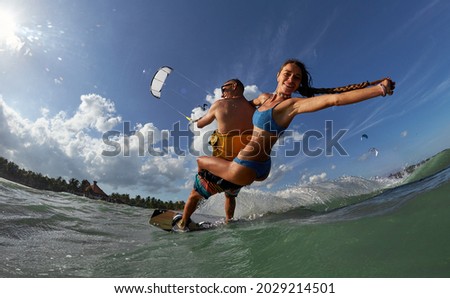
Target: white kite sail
(158, 80)
(157, 84)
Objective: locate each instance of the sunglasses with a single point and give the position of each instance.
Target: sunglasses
(225, 86)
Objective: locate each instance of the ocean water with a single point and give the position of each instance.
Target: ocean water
(351, 227)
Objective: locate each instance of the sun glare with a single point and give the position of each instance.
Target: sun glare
(8, 27)
(7, 24)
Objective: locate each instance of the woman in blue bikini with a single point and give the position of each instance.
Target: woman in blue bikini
(274, 115)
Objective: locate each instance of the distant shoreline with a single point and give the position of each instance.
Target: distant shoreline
(12, 173)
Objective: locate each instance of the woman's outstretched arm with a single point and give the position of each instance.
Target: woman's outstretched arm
(312, 104)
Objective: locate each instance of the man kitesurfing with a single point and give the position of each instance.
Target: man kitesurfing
(233, 115)
(234, 130)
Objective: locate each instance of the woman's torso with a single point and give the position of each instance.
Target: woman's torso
(266, 130)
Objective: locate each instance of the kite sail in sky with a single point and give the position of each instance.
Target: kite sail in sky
(157, 85)
(371, 152)
(158, 81)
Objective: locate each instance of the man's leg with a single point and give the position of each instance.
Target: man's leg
(204, 189)
(189, 208)
(230, 205)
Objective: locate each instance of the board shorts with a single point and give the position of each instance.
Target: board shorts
(207, 184)
(228, 145)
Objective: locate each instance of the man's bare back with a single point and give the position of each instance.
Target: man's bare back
(233, 114)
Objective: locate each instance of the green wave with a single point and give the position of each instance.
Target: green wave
(430, 166)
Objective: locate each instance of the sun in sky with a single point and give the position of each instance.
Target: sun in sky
(8, 32)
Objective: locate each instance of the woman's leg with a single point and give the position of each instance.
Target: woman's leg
(217, 166)
(227, 170)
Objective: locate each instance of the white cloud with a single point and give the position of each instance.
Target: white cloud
(201, 135)
(94, 112)
(404, 133)
(251, 92)
(212, 98)
(318, 178)
(72, 146)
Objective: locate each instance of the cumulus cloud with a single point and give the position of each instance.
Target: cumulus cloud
(217, 94)
(318, 178)
(314, 178)
(94, 112)
(201, 135)
(251, 92)
(73, 146)
(93, 143)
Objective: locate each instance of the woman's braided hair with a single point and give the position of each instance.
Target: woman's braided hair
(305, 88)
(344, 88)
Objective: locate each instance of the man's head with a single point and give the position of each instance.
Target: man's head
(233, 87)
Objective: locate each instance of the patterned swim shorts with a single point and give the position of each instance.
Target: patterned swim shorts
(206, 184)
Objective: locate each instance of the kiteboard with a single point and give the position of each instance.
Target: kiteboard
(162, 218)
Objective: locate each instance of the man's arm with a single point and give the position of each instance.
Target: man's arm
(208, 118)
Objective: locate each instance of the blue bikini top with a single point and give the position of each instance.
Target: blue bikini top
(265, 121)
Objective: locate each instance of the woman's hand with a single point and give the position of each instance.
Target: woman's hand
(388, 85)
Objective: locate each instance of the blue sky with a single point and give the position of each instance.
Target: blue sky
(70, 71)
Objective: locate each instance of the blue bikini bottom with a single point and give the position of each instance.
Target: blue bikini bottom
(262, 168)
